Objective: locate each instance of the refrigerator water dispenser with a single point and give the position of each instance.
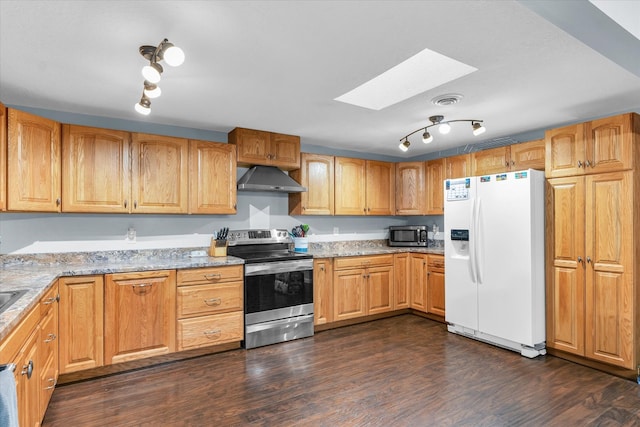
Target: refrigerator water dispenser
(460, 241)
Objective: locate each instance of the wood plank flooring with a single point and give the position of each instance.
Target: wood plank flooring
(400, 371)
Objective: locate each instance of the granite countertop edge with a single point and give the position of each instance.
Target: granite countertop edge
(37, 278)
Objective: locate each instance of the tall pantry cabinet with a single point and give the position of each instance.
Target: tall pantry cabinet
(593, 214)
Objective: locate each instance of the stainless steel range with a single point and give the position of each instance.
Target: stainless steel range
(278, 287)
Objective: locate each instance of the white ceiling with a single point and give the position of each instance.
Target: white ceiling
(278, 65)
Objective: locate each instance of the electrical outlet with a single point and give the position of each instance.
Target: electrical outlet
(336, 230)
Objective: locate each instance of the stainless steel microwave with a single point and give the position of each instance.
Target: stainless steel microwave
(408, 235)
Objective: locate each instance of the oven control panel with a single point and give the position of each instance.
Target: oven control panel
(246, 237)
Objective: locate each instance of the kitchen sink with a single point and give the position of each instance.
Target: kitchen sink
(9, 297)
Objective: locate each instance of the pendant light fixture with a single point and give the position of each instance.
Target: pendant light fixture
(152, 73)
(444, 128)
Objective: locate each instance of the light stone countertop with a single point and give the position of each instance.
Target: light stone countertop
(37, 273)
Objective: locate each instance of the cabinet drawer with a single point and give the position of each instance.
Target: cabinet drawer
(343, 263)
(210, 330)
(198, 300)
(201, 276)
(435, 262)
(49, 300)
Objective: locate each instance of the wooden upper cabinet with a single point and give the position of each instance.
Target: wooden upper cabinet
(256, 147)
(33, 163)
(316, 173)
(212, 178)
(350, 186)
(609, 143)
(435, 170)
(285, 151)
(3, 157)
(527, 155)
(95, 170)
(494, 160)
(457, 166)
(380, 188)
(603, 145)
(410, 181)
(159, 174)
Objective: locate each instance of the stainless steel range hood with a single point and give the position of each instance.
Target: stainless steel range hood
(268, 178)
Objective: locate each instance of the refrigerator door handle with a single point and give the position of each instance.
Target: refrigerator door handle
(472, 243)
(476, 246)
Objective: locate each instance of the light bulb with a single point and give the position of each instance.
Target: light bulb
(427, 137)
(151, 90)
(152, 73)
(145, 111)
(444, 128)
(173, 55)
(404, 146)
(478, 129)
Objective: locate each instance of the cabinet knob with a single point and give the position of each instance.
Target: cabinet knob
(580, 260)
(58, 202)
(27, 369)
(589, 259)
(579, 164)
(322, 268)
(50, 337)
(126, 202)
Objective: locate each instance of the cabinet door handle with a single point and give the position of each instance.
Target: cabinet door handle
(142, 288)
(213, 276)
(213, 301)
(53, 384)
(322, 268)
(51, 300)
(587, 163)
(125, 203)
(50, 337)
(513, 163)
(27, 369)
(579, 164)
(580, 260)
(589, 259)
(135, 204)
(212, 334)
(58, 202)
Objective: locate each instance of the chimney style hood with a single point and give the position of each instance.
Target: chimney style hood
(268, 178)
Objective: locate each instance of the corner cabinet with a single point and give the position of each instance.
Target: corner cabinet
(33, 163)
(140, 315)
(212, 178)
(364, 187)
(3, 157)
(257, 147)
(96, 173)
(316, 173)
(159, 174)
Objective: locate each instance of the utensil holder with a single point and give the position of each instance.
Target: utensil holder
(218, 247)
(300, 244)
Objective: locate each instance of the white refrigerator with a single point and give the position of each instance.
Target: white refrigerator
(494, 259)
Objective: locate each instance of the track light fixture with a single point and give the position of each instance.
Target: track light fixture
(152, 73)
(444, 128)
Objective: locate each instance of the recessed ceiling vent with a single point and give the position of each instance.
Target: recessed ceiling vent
(447, 99)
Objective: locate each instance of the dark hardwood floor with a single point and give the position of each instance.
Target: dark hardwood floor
(400, 371)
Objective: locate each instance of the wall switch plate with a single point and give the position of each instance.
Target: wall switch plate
(196, 254)
(336, 230)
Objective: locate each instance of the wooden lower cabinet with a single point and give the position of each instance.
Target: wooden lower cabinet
(322, 291)
(33, 348)
(210, 303)
(402, 280)
(362, 285)
(81, 323)
(418, 275)
(140, 315)
(435, 285)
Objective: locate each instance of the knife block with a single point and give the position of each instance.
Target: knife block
(218, 247)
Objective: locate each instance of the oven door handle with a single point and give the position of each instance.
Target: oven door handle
(279, 322)
(265, 268)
